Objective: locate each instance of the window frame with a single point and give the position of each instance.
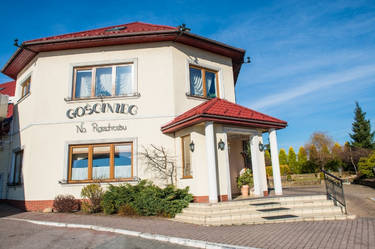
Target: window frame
(14, 168)
(90, 165)
(93, 80)
(203, 72)
(183, 158)
(25, 87)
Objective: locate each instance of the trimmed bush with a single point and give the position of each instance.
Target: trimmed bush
(66, 204)
(145, 199)
(366, 165)
(93, 194)
(284, 170)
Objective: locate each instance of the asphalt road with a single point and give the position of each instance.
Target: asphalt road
(23, 235)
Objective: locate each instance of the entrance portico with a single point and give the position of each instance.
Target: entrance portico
(218, 127)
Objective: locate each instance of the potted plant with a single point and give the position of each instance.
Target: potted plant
(245, 181)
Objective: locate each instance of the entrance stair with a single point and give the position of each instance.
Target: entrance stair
(263, 210)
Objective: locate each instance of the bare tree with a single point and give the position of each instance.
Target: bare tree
(322, 144)
(161, 162)
(352, 155)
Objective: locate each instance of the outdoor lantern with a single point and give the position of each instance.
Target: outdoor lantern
(221, 144)
(261, 146)
(192, 146)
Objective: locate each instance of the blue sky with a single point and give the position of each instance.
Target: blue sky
(311, 60)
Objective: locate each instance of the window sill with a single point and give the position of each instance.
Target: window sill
(24, 97)
(190, 96)
(71, 182)
(186, 177)
(95, 99)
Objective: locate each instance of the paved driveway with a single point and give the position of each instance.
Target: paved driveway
(23, 235)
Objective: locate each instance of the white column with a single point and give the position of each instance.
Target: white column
(226, 151)
(275, 162)
(254, 161)
(262, 166)
(211, 162)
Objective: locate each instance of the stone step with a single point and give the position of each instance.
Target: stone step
(230, 204)
(250, 207)
(264, 221)
(264, 213)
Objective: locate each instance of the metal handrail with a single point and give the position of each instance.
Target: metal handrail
(331, 189)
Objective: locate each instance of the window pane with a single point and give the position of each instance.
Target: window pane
(103, 81)
(80, 163)
(186, 148)
(123, 161)
(196, 86)
(83, 83)
(100, 162)
(211, 84)
(18, 167)
(124, 80)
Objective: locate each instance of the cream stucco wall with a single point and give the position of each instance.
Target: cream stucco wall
(42, 128)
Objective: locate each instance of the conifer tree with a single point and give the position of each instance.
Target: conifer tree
(283, 159)
(362, 136)
(336, 151)
(292, 160)
(302, 155)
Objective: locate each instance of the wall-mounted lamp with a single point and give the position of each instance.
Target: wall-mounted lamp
(192, 146)
(261, 147)
(221, 145)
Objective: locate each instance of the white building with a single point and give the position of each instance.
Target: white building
(88, 103)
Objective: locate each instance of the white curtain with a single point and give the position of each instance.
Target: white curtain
(101, 172)
(123, 171)
(83, 84)
(103, 81)
(124, 80)
(79, 173)
(123, 161)
(210, 85)
(196, 85)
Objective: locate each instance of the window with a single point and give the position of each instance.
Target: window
(108, 162)
(103, 81)
(15, 175)
(186, 157)
(25, 87)
(203, 82)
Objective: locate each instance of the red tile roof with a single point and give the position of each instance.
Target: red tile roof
(134, 27)
(223, 111)
(8, 88)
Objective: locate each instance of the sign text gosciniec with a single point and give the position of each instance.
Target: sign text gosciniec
(101, 108)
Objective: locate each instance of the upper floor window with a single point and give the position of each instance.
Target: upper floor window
(25, 87)
(102, 81)
(203, 82)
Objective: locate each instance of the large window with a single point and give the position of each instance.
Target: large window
(103, 81)
(107, 162)
(25, 87)
(15, 175)
(186, 157)
(203, 82)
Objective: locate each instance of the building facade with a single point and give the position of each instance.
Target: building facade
(88, 105)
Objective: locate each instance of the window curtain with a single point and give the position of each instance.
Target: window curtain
(80, 164)
(123, 161)
(100, 162)
(211, 84)
(196, 85)
(103, 86)
(83, 84)
(124, 80)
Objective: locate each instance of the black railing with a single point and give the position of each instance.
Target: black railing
(335, 189)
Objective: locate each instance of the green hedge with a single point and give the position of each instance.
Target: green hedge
(145, 199)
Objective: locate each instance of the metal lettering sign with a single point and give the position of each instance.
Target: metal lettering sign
(101, 108)
(100, 128)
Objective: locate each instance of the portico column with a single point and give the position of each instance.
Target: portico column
(275, 162)
(254, 162)
(211, 162)
(226, 151)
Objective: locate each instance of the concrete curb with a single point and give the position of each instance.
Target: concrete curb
(158, 237)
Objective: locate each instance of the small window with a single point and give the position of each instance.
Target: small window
(107, 162)
(16, 171)
(186, 157)
(25, 87)
(203, 83)
(103, 81)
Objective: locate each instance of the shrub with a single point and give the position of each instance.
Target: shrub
(309, 167)
(66, 203)
(246, 178)
(284, 170)
(333, 165)
(145, 199)
(366, 165)
(93, 194)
